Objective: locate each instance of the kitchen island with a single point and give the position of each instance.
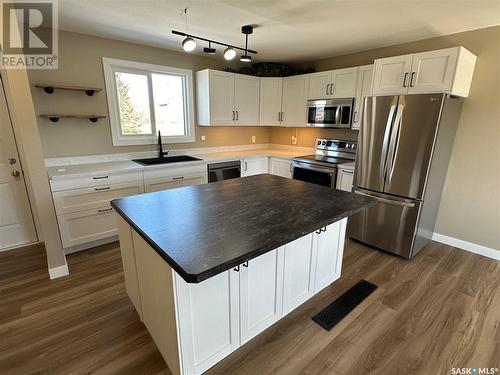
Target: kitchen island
(209, 267)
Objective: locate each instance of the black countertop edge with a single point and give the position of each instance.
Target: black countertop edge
(197, 278)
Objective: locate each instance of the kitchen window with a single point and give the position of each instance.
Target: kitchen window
(144, 99)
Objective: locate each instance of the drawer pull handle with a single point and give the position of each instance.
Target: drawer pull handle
(103, 188)
(347, 171)
(99, 177)
(105, 210)
(178, 178)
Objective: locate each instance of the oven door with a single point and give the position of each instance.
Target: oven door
(315, 174)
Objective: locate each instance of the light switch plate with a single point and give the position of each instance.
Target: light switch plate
(253, 138)
(202, 137)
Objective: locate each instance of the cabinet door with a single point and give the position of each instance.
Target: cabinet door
(246, 99)
(329, 249)
(345, 179)
(253, 166)
(344, 82)
(319, 85)
(165, 183)
(391, 76)
(298, 279)
(261, 293)
(363, 89)
(271, 91)
(433, 71)
(208, 318)
(280, 167)
(221, 91)
(295, 100)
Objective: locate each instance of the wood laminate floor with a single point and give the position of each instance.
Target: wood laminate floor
(440, 310)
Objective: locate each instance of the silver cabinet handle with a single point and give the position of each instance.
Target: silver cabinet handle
(404, 80)
(327, 91)
(331, 88)
(178, 178)
(103, 188)
(101, 211)
(411, 78)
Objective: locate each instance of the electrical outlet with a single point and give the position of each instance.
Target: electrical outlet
(253, 138)
(294, 140)
(202, 137)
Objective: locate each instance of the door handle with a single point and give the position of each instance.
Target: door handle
(282, 116)
(385, 200)
(385, 144)
(331, 88)
(12, 161)
(394, 143)
(237, 115)
(327, 87)
(178, 178)
(16, 173)
(99, 177)
(103, 188)
(246, 165)
(404, 80)
(102, 211)
(411, 78)
(233, 116)
(245, 264)
(237, 268)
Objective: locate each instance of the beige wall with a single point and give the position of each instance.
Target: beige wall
(470, 206)
(80, 63)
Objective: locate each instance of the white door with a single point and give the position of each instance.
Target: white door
(280, 167)
(344, 82)
(363, 89)
(261, 293)
(253, 166)
(345, 179)
(391, 76)
(329, 248)
(271, 91)
(208, 318)
(246, 99)
(16, 221)
(221, 88)
(433, 71)
(298, 279)
(295, 100)
(319, 85)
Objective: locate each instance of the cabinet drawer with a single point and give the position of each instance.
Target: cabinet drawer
(93, 197)
(85, 226)
(176, 172)
(94, 180)
(159, 184)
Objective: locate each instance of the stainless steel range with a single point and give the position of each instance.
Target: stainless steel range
(321, 167)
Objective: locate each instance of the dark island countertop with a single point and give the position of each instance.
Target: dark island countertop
(204, 230)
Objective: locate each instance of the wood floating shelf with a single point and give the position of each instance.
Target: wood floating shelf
(56, 117)
(50, 87)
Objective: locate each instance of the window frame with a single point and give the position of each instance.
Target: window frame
(111, 66)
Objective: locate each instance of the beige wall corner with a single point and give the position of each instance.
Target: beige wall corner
(25, 126)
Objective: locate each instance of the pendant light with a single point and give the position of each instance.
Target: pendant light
(229, 53)
(247, 29)
(188, 44)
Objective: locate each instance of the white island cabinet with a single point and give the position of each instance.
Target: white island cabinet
(195, 325)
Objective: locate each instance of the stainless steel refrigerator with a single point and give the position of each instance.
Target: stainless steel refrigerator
(404, 147)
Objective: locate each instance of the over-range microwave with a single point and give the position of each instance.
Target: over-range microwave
(330, 113)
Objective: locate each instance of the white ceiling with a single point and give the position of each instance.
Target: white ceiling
(288, 30)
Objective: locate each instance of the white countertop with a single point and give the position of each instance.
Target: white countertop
(74, 170)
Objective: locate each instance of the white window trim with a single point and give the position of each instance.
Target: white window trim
(109, 66)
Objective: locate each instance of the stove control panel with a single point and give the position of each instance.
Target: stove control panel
(336, 145)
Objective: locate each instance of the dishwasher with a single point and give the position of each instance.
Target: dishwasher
(224, 171)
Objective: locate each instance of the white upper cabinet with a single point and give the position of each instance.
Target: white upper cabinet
(294, 102)
(271, 92)
(363, 89)
(446, 70)
(225, 98)
(340, 83)
(246, 99)
(391, 75)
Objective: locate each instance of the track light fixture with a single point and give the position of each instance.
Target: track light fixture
(189, 43)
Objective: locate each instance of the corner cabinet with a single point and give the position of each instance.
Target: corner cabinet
(271, 93)
(280, 167)
(447, 70)
(225, 98)
(256, 165)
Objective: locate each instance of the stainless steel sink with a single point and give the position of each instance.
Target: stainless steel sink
(166, 160)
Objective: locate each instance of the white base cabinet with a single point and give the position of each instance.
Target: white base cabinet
(196, 325)
(256, 165)
(280, 167)
(345, 177)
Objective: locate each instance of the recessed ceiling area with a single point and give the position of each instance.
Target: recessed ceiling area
(287, 30)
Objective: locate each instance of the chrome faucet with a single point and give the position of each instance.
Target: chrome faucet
(162, 153)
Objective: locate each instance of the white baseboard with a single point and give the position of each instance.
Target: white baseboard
(468, 246)
(60, 271)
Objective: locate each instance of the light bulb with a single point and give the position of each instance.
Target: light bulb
(246, 58)
(188, 44)
(229, 53)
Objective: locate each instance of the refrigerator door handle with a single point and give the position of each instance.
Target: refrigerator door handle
(394, 143)
(383, 155)
(385, 200)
